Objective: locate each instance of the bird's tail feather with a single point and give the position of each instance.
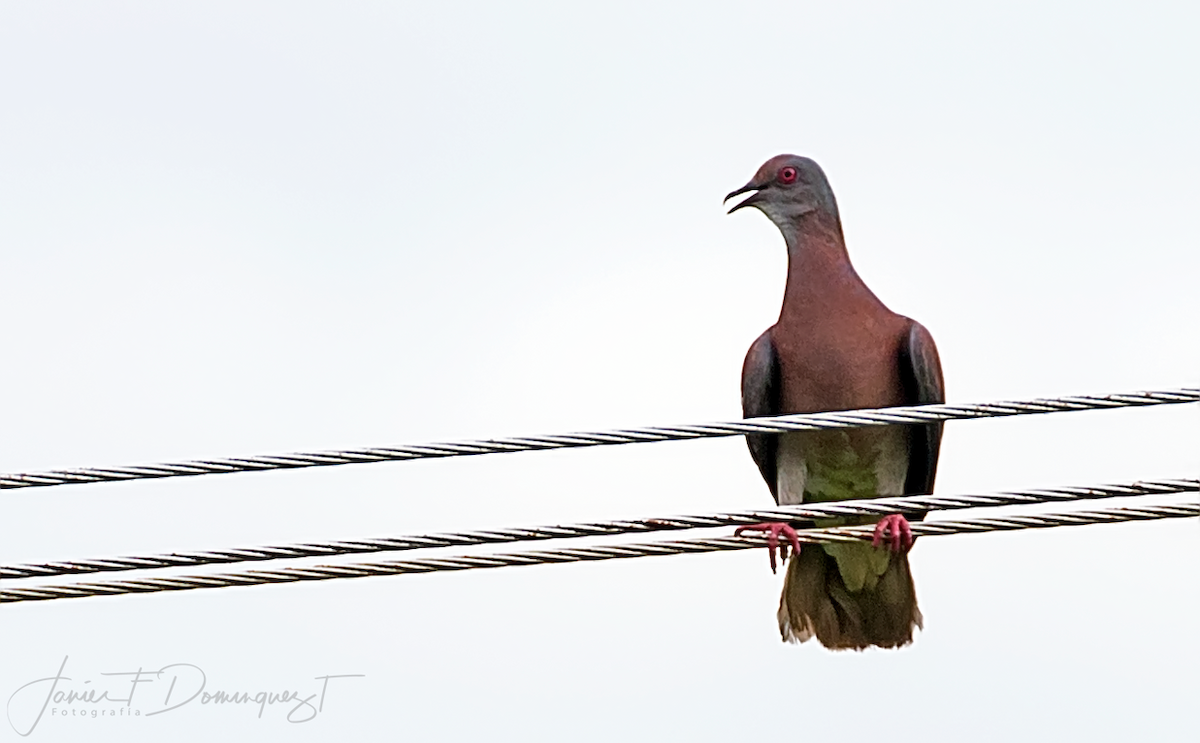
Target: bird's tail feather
(816, 602)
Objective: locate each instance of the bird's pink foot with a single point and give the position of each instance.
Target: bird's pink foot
(773, 530)
(894, 532)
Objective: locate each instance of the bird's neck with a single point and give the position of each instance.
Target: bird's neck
(820, 276)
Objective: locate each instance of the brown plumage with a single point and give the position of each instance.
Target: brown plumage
(837, 347)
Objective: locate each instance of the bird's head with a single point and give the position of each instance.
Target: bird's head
(786, 188)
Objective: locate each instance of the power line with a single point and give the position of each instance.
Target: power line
(777, 424)
(584, 554)
(864, 507)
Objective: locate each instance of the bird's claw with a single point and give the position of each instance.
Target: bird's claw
(773, 530)
(894, 533)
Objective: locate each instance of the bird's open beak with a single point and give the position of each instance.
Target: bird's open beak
(750, 201)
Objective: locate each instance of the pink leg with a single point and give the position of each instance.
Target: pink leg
(894, 532)
(773, 530)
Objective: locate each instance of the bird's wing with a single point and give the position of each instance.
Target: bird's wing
(760, 397)
(921, 373)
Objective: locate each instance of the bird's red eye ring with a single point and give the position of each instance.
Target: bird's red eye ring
(787, 176)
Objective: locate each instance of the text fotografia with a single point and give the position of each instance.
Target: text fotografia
(147, 693)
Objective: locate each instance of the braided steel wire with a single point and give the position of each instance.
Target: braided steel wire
(584, 554)
(865, 507)
(776, 424)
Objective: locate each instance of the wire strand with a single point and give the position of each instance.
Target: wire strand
(777, 424)
(585, 554)
(859, 508)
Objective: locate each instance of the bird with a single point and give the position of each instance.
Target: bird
(836, 346)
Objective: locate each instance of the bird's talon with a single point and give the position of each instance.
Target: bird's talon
(773, 530)
(895, 531)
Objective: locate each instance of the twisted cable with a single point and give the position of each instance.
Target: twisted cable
(865, 507)
(584, 554)
(776, 424)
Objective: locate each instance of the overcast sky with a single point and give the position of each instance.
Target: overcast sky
(254, 227)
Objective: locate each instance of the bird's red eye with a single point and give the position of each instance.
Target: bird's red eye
(787, 175)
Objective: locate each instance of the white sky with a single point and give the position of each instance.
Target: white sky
(243, 228)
